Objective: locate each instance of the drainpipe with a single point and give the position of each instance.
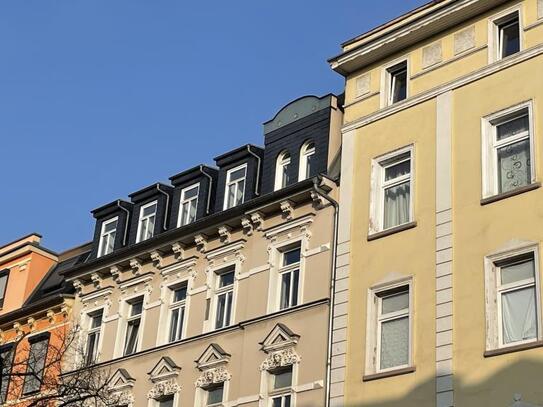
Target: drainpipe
(335, 204)
(165, 226)
(209, 188)
(127, 220)
(257, 193)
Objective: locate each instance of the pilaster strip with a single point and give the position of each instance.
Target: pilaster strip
(341, 304)
(444, 254)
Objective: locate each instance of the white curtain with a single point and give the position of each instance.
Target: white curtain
(395, 343)
(396, 205)
(519, 315)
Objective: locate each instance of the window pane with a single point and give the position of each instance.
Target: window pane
(132, 337)
(180, 294)
(291, 257)
(109, 246)
(519, 315)
(36, 364)
(92, 343)
(285, 179)
(513, 127)
(240, 192)
(192, 211)
(510, 38)
(166, 402)
(283, 379)
(174, 320)
(310, 168)
(221, 305)
(399, 83)
(214, 395)
(190, 193)
(149, 210)
(285, 290)
(395, 343)
(277, 402)
(96, 321)
(110, 226)
(238, 174)
(230, 200)
(397, 170)
(517, 272)
(228, 308)
(514, 166)
(3, 283)
(295, 279)
(396, 302)
(136, 308)
(6, 357)
(396, 205)
(226, 279)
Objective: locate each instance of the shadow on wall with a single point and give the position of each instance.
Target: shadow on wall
(518, 385)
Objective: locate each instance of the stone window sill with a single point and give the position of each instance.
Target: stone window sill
(512, 349)
(505, 195)
(390, 373)
(391, 231)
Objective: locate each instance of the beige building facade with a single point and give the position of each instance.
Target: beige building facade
(231, 306)
(438, 295)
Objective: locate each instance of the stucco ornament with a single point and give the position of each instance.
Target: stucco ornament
(163, 388)
(280, 358)
(123, 398)
(213, 376)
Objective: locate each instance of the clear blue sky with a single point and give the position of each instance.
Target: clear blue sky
(100, 98)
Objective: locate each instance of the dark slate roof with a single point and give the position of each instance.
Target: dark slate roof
(54, 284)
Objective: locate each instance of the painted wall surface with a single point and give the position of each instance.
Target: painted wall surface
(482, 230)
(475, 87)
(384, 259)
(255, 311)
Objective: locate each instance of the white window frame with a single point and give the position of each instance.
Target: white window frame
(305, 152)
(177, 305)
(267, 392)
(289, 269)
(228, 183)
(387, 81)
(156, 403)
(373, 331)
(124, 312)
(494, 336)
(183, 201)
(490, 144)
(221, 403)
(220, 291)
(88, 330)
(378, 186)
(281, 162)
(104, 235)
(282, 392)
(145, 220)
(494, 32)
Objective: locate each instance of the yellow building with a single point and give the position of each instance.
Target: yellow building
(438, 291)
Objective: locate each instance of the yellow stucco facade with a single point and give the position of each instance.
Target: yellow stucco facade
(444, 252)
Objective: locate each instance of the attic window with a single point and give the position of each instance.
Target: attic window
(107, 236)
(508, 35)
(146, 226)
(235, 186)
(397, 82)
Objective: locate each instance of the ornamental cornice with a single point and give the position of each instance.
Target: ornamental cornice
(163, 388)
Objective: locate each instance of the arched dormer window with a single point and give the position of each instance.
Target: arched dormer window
(282, 170)
(307, 161)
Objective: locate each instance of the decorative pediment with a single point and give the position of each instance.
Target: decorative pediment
(212, 357)
(165, 369)
(280, 337)
(121, 380)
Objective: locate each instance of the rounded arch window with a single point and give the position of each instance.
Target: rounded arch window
(282, 170)
(308, 167)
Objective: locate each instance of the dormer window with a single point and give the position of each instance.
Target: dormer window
(107, 236)
(235, 186)
(146, 226)
(282, 170)
(397, 82)
(188, 205)
(307, 161)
